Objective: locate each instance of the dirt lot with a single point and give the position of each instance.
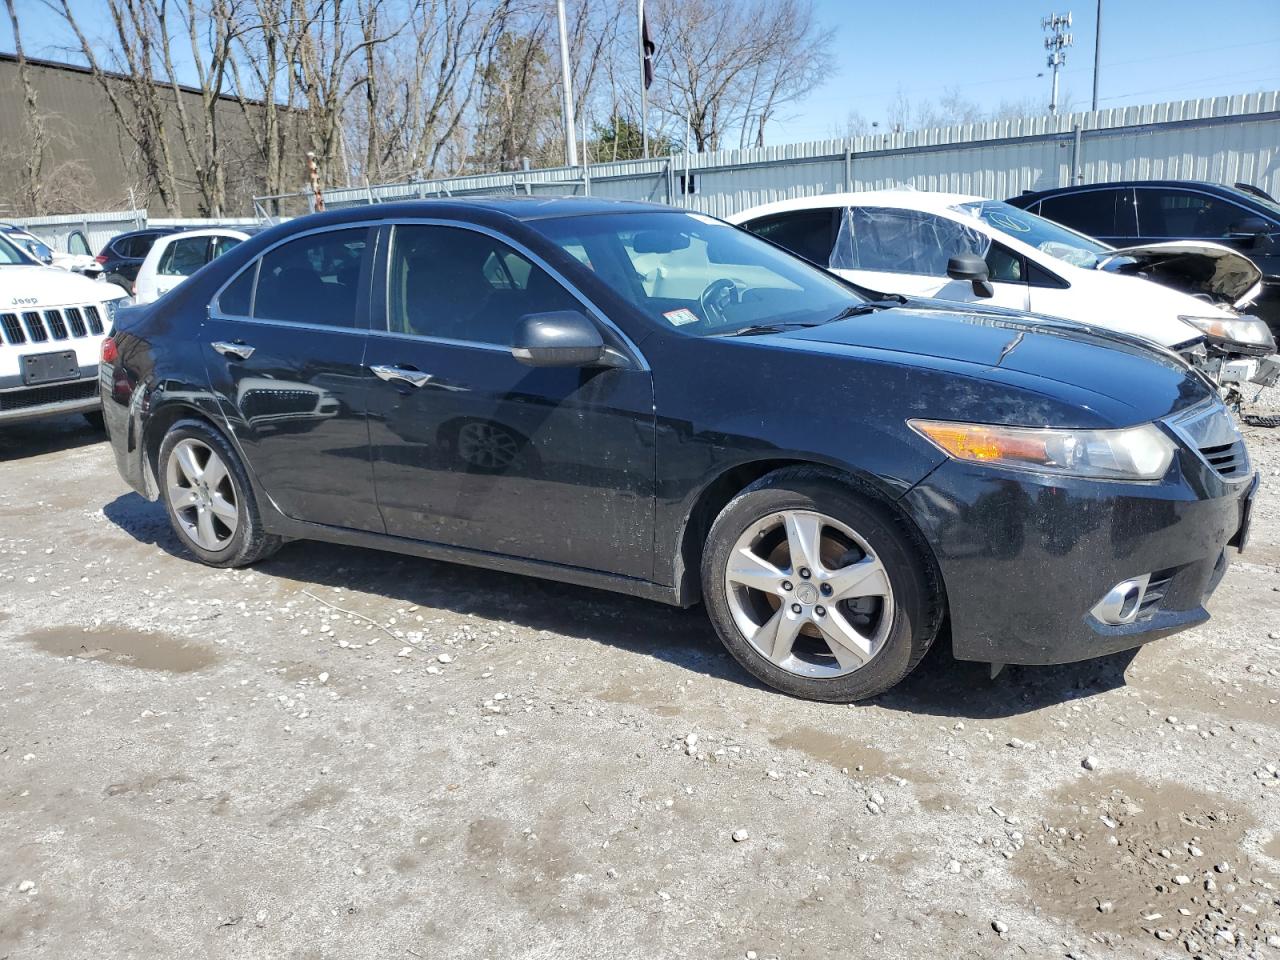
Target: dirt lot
(347, 754)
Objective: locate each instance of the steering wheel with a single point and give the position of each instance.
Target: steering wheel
(718, 295)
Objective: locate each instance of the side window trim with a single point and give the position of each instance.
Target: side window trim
(363, 300)
(383, 285)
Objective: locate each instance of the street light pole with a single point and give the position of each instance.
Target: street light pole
(1097, 52)
(570, 146)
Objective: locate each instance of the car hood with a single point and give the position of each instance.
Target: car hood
(40, 286)
(1121, 368)
(1191, 266)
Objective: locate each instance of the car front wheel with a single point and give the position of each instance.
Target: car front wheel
(208, 498)
(817, 590)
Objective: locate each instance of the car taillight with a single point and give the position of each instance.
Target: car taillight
(101, 258)
(109, 351)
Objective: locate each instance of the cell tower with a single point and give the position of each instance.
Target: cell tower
(1056, 43)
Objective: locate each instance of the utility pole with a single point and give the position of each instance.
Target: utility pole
(570, 146)
(644, 80)
(1097, 52)
(1056, 43)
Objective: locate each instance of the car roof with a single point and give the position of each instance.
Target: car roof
(239, 232)
(1188, 184)
(926, 200)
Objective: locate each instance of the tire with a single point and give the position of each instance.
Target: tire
(884, 590)
(238, 537)
(95, 420)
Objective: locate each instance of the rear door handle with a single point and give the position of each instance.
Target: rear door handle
(240, 351)
(415, 378)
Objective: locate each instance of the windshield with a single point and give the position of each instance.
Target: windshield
(1046, 236)
(697, 274)
(1269, 206)
(10, 255)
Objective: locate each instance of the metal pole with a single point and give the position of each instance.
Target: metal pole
(644, 91)
(570, 146)
(1053, 97)
(1097, 50)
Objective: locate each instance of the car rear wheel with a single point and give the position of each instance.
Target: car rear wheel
(818, 591)
(208, 498)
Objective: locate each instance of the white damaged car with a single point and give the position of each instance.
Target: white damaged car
(1189, 297)
(52, 324)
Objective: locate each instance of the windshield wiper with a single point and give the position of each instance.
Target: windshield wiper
(758, 328)
(871, 306)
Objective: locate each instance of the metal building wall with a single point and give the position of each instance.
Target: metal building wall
(1224, 139)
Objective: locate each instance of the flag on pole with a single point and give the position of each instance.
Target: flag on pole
(647, 49)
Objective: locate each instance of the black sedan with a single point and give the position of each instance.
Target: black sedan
(647, 400)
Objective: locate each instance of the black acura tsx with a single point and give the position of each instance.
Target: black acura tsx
(642, 399)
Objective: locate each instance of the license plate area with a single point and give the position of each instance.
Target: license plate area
(50, 367)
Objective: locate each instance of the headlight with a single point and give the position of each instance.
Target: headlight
(1249, 331)
(111, 308)
(1134, 453)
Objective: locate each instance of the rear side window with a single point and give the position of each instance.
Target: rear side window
(221, 245)
(806, 233)
(1091, 212)
(458, 284)
(313, 279)
(183, 257)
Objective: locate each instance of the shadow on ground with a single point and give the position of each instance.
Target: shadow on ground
(33, 439)
(940, 686)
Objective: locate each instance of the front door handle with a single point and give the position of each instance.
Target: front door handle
(415, 378)
(238, 351)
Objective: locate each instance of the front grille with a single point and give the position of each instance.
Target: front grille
(12, 329)
(40, 396)
(54, 323)
(68, 323)
(35, 327)
(1228, 459)
(1157, 586)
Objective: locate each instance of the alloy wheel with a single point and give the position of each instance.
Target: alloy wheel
(809, 594)
(202, 494)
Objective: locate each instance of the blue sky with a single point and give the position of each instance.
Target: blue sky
(1152, 50)
(992, 50)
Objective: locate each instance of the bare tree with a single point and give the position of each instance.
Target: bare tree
(35, 141)
(737, 70)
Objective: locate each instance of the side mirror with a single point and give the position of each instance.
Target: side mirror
(563, 338)
(971, 267)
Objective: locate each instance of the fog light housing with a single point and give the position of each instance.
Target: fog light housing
(1122, 602)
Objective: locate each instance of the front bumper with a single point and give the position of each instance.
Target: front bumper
(22, 403)
(1026, 558)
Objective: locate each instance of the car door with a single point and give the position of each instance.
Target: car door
(906, 251)
(284, 346)
(472, 448)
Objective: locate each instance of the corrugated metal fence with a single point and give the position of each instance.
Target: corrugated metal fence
(1223, 139)
(98, 228)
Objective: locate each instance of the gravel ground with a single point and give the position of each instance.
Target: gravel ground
(348, 754)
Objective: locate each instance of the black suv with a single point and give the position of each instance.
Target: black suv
(648, 400)
(122, 257)
(1150, 211)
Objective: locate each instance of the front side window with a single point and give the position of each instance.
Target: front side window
(10, 255)
(313, 279)
(902, 241)
(221, 245)
(1180, 214)
(183, 257)
(78, 245)
(806, 233)
(1044, 235)
(457, 284)
(696, 274)
(1092, 212)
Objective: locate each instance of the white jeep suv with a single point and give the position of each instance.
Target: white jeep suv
(52, 324)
